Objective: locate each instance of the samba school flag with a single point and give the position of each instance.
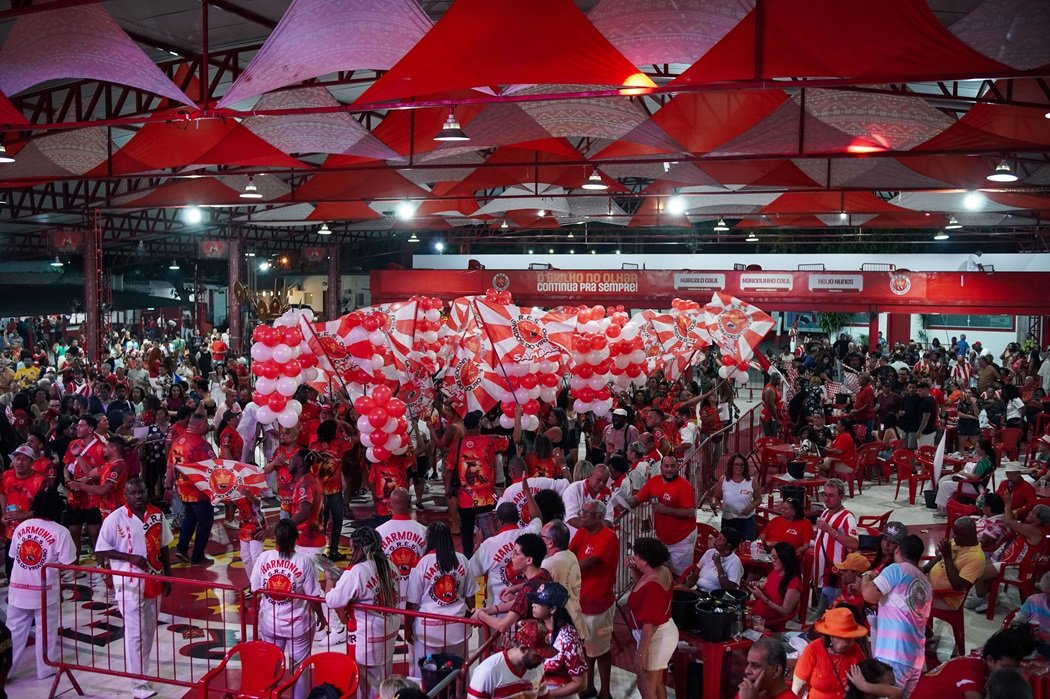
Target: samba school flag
(224, 480)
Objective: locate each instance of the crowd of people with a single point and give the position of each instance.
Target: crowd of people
(533, 540)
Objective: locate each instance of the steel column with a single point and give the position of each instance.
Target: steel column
(234, 306)
(92, 288)
(334, 292)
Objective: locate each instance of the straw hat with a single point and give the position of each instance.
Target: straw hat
(841, 623)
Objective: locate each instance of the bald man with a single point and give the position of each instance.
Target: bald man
(958, 564)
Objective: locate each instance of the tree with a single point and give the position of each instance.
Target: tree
(832, 323)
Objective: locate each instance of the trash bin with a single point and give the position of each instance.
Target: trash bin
(931, 499)
(436, 667)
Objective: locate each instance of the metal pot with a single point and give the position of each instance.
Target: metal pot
(716, 621)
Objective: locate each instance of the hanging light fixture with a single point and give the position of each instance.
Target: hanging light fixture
(4, 156)
(174, 265)
(751, 237)
(250, 190)
(413, 238)
(953, 224)
(56, 262)
(1003, 172)
(324, 229)
(595, 181)
(192, 215)
(570, 235)
(676, 205)
(503, 226)
(452, 130)
(721, 226)
(941, 235)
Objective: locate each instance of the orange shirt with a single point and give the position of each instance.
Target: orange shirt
(114, 472)
(91, 459)
(19, 494)
(284, 475)
(541, 468)
(826, 672)
(330, 472)
(308, 489)
(385, 476)
(475, 464)
(189, 448)
(250, 518)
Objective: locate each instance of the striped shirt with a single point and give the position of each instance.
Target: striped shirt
(1035, 609)
(828, 550)
(903, 610)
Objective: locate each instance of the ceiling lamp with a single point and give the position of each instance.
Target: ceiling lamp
(953, 224)
(452, 130)
(413, 238)
(56, 262)
(324, 229)
(405, 210)
(1003, 173)
(4, 157)
(595, 181)
(174, 265)
(941, 235)
(541, 213)
(973, 201)
(250, 190)
(751, 237)
(503, 226)
(193, 215)
(721, 226)
(676, 205)
(570, 235)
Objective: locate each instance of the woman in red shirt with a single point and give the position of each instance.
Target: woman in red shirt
(825, 664)
(231, 444)
(542, 462)
(650, 605)
(778, 598)
(791, 527)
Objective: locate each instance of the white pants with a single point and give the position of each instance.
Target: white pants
(372, 676)
(140, 628)
(250, 551)
(299, 649)
(19, 621)
(926, 440)
(682, 553)
(946, 489)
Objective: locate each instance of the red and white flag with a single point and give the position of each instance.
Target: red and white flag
(224, 480)
(736, 326)
(520, 334)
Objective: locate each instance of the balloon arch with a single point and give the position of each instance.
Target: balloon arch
(484, 351)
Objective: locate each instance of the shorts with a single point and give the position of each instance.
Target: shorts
(417, 473)
(91, 517)
(599, 630)
(662, 646)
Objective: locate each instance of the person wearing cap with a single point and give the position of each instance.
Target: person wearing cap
(849, 571)
(824, 665)
(19, 485)
(1023, 497)
(969, 479)
(889, 540)
(565, 672)
(619, 434)
(674, 511)
(904, 596)
(516, 672)
(957, 566)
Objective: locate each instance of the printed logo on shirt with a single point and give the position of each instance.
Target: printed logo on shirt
(404, 559)
(918, 595)
(279, 582)
(443, 590)
(31, 553)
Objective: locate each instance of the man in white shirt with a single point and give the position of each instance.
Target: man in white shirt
(593, 487)
(135, 539)
(516, 672)
(719, 568)
(492, 557)
(564, 568)
(404, 539)
(515, 494)
(36, 542)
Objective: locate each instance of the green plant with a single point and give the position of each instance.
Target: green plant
(832, 323)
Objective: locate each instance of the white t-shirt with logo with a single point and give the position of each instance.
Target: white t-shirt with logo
(35, 543)
(122, 531)
(371, 634)
(404, 543)
(494, 677)
(440, 592)
(492, 558)
(515, 494)
(297, 574)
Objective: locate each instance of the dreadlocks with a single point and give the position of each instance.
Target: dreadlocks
(439, 540)
(369, 547)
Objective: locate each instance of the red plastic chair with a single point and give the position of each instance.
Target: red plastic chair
(705, 537)
(337, 669)
(875, 521)
(1008, 442)
(886, 464)
(954, 617)
(267, 668)
(1028, 573)
(904, 461)
(868, 461)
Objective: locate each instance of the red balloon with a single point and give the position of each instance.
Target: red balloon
(602, 393)
(292, 369)
(378, 438)
(276, 402)
(364, 405)
(370, 323)
(598, 311)
(291, 336)
(258, 398)
(381, 453)
(529, 381)
(549, 380)
(508, 408)
(586, 394)
(257, 333)
(531, 407)
(269, 369)
(378, 416)
(352, 321)
(586, 372)
(616, 371)
(396, 407)
(727, 360)
(402, 426)
(504, 298)
(307, 360)
(598, 342)
(381, 396)
(491, 295)
(634, 371)
(603, 366)
(613, 331)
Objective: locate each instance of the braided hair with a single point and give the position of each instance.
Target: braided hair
(369, 547)
(439, 540)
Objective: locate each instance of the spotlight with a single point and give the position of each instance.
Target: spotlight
(413, 238)
(439, 246)
(721, 226)
(503, 226)
(973, 201)
(550, 251)
(56, 262)
(617, 251)
(250, 190)
(452, 130)
(595, 181)
(572, 252)
(324, 230)
(174, 265)
(405, 210)
(531, 251)
(843, 216)
(953, 224)
(264, 266)
(1003, 173)
(541, 213)
(193, 215)
(941, 235)
(570, 235)
(676, 205)
(250, 253)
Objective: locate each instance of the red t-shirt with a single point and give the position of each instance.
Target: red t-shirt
(46, 468)
(115, 472)
(954, 678)
(772, 590)
(218, 350)
(91, 460)
(189, 448)
(651, 604)
(596, 590)
(19, 493)
(864, 404)
(250, 518)
(385, 476)
(330, 472)
(845, 443)
(308, 489)
(231, 442)
(677, 493)
(476, 467)
(794, 532)
(284, 475)
(541, 468)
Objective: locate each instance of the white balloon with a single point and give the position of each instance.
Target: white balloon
(594, 357)
(376, 337)
(601, 408)
(304, 347)
(295, 406)
(260, 352)
(519, 370)
(393, 443)
(604, 352)
(400, 450)
(391, 425)
(548, 395)
(637, 356)
(295, 351)
(363, 425)
(265, 415)
(433, 315)
(725, 371)
(578, 405)
(534, 392)
(577, 382)
(308, 314)
(546, 366)
(521, 395)
(629, 332)
(378, 362)
(505, 396)
(265, 386)
(621, 361)
(286, 386)
(366, 439)
(506, 422)
(283, 322)
(741, 378)
(531, 422)
(371, 455)
(639, 380)
(287, 418)
(282, 354)
(429, 336)
(309, 374)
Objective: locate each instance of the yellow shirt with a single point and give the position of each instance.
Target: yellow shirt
(969, 561)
